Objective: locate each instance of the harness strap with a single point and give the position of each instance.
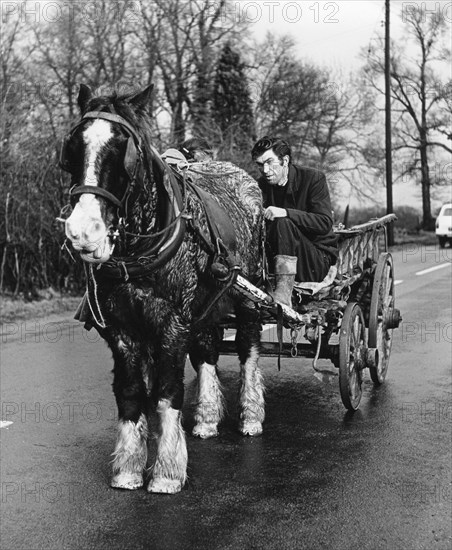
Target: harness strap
(94, 190)
(215, 299)
(221, 228)
(112, 117)
(91, 296)
(171, 237)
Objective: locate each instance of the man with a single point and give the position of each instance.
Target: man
(299, 219)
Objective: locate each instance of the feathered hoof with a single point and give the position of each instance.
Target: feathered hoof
(205, 430)
(163, 485)
(250, 428)
(127, 481)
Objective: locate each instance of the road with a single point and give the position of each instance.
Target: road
(319, 477)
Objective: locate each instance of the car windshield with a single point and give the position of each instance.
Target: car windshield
(447, 212)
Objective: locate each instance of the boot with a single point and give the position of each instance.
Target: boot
(285, 271)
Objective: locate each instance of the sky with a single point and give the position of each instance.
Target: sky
(333, 34)
(328, 33)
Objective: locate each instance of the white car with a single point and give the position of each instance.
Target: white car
(444, 225)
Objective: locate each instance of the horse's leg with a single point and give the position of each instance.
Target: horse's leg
(130, 454)
(169, 471)
(209, 406)
(251, 395)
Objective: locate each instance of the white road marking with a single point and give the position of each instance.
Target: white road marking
(5, 423)
(398, 281)
(434, 268)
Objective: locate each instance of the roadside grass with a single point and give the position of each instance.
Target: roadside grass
(402, 238)
(16, 308)
(50, 302)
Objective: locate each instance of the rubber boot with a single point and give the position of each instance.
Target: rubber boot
(285, 271)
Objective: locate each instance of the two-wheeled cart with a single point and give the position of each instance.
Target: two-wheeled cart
(348, 318)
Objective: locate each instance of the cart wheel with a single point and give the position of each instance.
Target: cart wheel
(383, 317)
(352, 349)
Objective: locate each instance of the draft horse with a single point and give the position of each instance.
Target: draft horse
(155, 264)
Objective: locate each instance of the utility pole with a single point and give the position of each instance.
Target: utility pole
(389, 206)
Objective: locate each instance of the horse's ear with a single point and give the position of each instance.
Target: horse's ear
(141, 100)
(84, 95)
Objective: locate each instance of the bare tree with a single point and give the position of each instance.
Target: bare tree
(421, 125)
(185, 37)
(108, 45)
(323, 114)
(14, 113)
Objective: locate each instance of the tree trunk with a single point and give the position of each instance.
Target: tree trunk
(178, 125)
(428, 222)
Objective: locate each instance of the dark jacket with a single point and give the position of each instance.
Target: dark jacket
(307, 201)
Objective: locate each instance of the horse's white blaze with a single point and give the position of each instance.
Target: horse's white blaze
(209, 403)
(85, 226)
(170, 467)
(252, 412)
(95, 138)
(130, 454)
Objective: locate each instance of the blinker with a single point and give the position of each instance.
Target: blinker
(130, 158)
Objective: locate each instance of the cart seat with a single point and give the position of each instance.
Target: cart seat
(311, 289)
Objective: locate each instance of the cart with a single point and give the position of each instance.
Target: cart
(348, 318)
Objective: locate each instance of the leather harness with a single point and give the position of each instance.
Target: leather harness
(163, 244)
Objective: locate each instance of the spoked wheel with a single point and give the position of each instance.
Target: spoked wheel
(352, 351)
(383, 317)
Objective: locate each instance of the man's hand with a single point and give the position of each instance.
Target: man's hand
(273, 212)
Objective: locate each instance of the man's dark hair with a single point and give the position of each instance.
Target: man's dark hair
(280, 147)
(192, 145)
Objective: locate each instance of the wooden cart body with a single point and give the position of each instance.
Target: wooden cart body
(348, 318)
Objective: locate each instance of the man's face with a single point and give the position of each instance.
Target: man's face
(273, 169)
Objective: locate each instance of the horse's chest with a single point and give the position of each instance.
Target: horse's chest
(141, 311)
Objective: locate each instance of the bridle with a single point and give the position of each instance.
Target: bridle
(162, 244)
(165, 242)
(132, 160)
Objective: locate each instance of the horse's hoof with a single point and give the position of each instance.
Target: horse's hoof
(163, 485)
(205, 430)
(250, 428)
(127, 481)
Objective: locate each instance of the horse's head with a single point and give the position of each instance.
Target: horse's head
(103, 154)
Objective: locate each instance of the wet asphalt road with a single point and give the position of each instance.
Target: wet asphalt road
(318, 478)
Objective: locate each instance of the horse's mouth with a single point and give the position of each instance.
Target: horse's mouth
(96, 254)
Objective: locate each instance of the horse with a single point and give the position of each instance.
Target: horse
(160, 250)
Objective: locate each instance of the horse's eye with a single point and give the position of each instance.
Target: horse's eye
(70, 158)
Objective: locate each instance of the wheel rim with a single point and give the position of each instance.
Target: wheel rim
(352, 344)
(381, 307)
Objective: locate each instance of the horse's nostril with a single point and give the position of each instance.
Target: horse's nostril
(72, 233)
(94, 229)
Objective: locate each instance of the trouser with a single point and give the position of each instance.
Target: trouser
(284, 237)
